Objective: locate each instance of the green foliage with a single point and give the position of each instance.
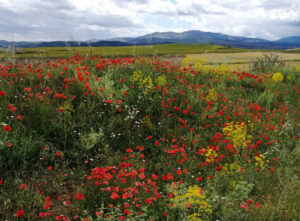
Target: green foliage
(89, 140)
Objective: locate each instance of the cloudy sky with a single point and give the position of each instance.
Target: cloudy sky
(103, 19)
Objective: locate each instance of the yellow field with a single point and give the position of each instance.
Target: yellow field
(240, 60)
(243, 57)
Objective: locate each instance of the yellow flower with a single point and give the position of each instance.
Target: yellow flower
(142, 81)
(210, 155)
(185, 62)
(237, 134)
(212, 96)
(232, 183)
(277, 77)
(161, 81)
(194, 217)
(260, 161)
(193, 197)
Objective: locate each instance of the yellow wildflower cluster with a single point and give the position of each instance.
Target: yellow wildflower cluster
(260, 161)
(231, 168)
(221, 69)
(200, 64)
(185, 62)
(161, 81)
(250, 124)
(232, 183)
(237, 133)
(198, 67)
(277, 77)
(67, 108)
(192, 198)
(197, 61)
(142, 81)
(194, 217)
(212, 95)
(216, 70)
(210, 155)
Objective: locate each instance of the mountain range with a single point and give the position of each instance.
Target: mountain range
(191, 37)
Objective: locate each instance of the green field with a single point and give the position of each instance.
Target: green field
(294, 50)
(149, 50)
(174, 53)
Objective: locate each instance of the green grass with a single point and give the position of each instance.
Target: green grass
(151, 50)
(295, 50)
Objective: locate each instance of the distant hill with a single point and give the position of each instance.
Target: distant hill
(193, 36)
(28, 44)
(201, 37)
(292, 39)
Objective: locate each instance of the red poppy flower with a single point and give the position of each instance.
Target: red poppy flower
(7, 128)
(2, 93)
(123, 165)
(42, 214)
(27, 90)
(257, 205)
(79, 196)
(244, 206)
(23, 186)
(142, 176)
(199, 179)
(249, 201)
(154, 176)
(114, 196)
(126, 212)
(19, 213)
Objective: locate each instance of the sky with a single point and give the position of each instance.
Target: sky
(49, 20)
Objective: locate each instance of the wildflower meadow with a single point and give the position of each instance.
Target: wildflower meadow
(134, 138)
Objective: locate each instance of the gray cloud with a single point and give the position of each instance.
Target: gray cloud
(134, 1)
(102, 19)
(53, 5)
(197, 9)
(54, 20)
(279, 4)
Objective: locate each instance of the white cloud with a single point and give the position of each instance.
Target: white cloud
(102, 19)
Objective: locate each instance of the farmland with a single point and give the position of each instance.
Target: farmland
(174, 53)
(148, 50)
(119, 137)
